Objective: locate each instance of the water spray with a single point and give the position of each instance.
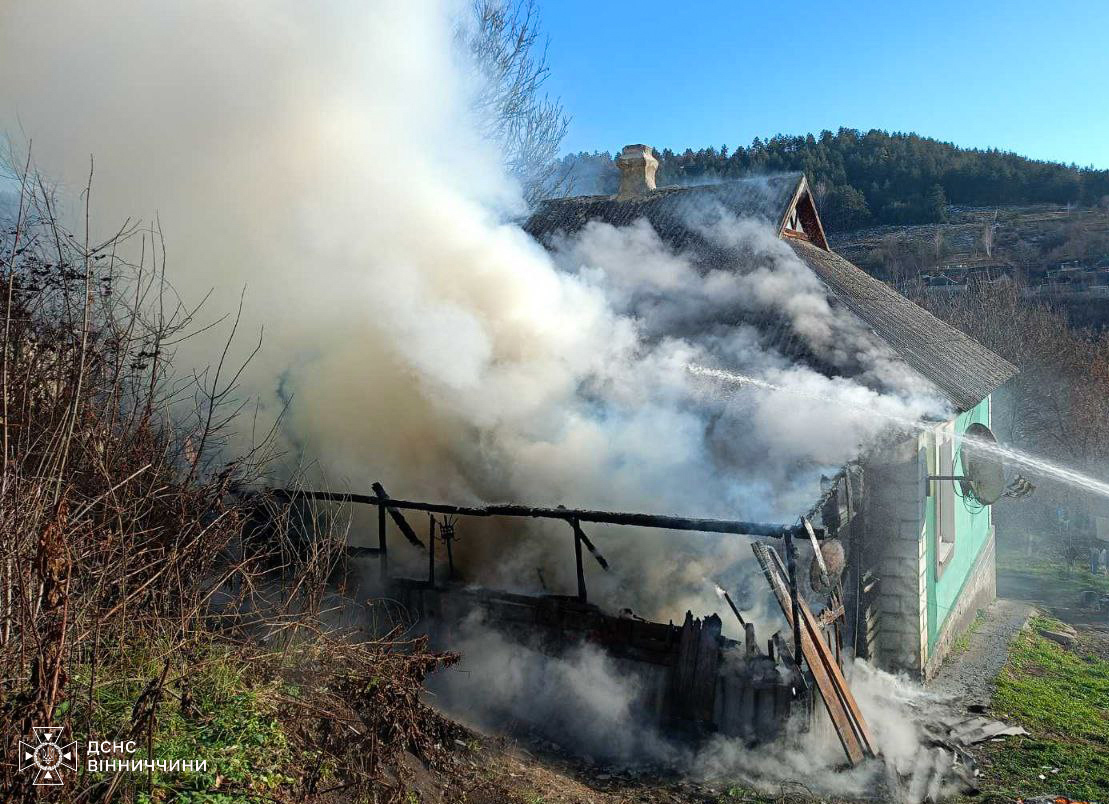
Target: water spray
(975, 441)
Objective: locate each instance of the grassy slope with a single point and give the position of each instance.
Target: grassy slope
(217, 709)
(1062, 697)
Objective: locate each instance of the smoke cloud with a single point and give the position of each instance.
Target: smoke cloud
(326, 159)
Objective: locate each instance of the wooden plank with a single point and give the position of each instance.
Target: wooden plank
(841, 720)
(817, 552)
(829, 615)
(684, 667)
(579, 569)
(431, 550)
(664, 522)
(398, 517)
(750, 640)
(833, 668)
(703, 690)
(592, 548)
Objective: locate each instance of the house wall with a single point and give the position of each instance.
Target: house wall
(893, 551)
(920, 607)
(966, 581)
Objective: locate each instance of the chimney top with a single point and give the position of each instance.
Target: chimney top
(637, 165)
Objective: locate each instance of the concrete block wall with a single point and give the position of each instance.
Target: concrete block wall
(897, 552)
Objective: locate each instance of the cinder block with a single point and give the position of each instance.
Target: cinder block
(890, 604)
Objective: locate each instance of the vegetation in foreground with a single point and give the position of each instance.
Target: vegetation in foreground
(1062, 697)
(145, 599)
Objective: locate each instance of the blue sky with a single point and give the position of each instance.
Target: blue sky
(1031, 77)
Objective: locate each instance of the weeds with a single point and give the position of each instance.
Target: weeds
(143, 597)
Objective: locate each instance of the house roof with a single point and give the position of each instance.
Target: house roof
(959, 366)
(767, 199)
(962, 369)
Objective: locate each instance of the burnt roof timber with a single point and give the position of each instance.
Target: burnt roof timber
(661, 521)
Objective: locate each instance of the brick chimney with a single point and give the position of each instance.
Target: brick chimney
(637, 165)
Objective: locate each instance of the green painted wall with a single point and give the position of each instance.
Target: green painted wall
(972, 532)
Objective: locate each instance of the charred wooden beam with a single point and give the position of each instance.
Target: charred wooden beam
(593, 551)
(791, 559)
(382, 545)
(431, 550)
(750, 640)
(448, 539)
(818, 554)
(734, 608)
(577, 561)
(397, 516)
(664, 522)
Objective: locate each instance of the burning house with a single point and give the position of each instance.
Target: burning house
(919, 542)
(901, 539)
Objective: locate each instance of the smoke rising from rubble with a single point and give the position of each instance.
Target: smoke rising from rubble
(325, 158)
(584, 694)
(592, 703)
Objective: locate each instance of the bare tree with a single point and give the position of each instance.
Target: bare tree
(1056, 407)
(987, 235)
(507, 45)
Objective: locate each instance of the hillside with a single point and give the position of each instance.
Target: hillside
(866, 179)
(1060, 254)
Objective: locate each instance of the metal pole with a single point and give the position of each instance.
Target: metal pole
(431, 550)
(381, 546)
(791, 567)
(577, 558)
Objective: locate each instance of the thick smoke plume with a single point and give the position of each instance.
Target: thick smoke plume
(329, 162)
(327, 159)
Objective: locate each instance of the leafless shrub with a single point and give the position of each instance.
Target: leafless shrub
(121, 515)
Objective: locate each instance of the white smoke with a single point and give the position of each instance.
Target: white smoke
(327, 160)
(812, 759)
(325, 157)
(584, 694)
(605, 710)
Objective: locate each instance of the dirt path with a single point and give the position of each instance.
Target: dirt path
(968, 674)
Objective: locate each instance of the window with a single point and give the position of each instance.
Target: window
(944, 496)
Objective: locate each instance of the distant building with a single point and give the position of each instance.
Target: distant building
(920, 555)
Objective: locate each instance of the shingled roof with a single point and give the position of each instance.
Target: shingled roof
(666, 209)
(962, 369)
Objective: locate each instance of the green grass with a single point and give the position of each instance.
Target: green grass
(1058, 576)
(214, 708)
(963, 642)
(1062, 698)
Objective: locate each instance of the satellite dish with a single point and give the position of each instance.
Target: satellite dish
(983, 476)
